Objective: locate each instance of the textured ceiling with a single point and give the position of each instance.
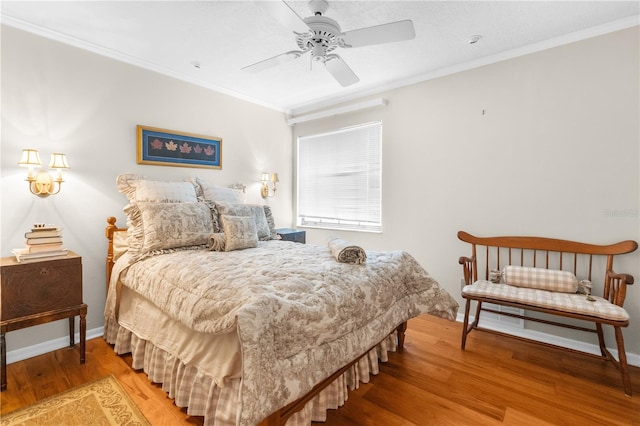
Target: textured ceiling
(221, 37)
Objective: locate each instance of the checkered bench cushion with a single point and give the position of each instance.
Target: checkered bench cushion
(566, 302)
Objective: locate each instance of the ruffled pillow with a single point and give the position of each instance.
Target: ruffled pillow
(215, 216)
(139, 189)
(220, 194)
(272, 224)
(154, 227)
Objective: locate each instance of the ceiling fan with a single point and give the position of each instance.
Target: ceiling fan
(321, 36)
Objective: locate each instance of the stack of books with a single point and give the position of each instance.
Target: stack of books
(42, 242)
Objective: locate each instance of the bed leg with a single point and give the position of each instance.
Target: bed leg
(401, 329)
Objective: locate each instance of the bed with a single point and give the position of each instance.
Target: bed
(243, 328)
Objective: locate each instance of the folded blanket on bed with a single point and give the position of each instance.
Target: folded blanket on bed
(345, 252)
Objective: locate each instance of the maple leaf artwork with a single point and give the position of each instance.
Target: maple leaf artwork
(156, 144)
(171, 146)
(185, 148)
(197, 149)
(210, 150)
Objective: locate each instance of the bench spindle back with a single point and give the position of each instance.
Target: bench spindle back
(516, 256)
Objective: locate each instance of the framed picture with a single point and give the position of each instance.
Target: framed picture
(162, 147)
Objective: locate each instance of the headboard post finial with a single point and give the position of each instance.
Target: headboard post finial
(110, 229)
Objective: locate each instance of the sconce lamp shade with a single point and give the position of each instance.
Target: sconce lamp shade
(265, 191)
(30, 158)
(42, 183)
(58, 161)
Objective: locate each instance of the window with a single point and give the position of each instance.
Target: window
(339, 179)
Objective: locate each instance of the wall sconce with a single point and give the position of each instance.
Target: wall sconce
(42, 183)
(266, 178)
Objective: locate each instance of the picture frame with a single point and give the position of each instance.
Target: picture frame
(162, 147)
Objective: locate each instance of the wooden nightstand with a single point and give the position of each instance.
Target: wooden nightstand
(35, 293)
(294, 235)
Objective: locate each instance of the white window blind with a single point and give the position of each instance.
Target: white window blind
(339, 179)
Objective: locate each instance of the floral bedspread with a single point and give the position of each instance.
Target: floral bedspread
(300, 314)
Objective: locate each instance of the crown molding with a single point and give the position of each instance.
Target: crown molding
(121, 57)
(295, 110)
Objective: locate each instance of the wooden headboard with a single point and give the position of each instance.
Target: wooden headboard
(109, 231)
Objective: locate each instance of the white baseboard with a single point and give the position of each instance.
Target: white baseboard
(49, 346)
(632, 359)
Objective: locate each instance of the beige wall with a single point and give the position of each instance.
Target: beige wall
(60, 98)
(545, 144)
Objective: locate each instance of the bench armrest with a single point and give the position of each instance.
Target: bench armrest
(468, 269)
(615, 287)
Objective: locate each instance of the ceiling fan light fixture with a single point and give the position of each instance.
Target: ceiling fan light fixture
(318, 52)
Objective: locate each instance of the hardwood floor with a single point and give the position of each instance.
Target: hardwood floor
(495, 381)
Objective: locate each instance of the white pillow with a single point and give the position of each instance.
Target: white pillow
(166, 192)
(139, 189)
(540, 278)
(220, 194)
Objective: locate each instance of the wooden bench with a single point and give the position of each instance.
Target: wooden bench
(499, 256)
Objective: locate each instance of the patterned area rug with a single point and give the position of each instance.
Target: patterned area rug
(102, 402)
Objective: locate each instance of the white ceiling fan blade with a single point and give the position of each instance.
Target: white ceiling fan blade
(272, 62)
(379, 34)
(285, 15)
(341, 71)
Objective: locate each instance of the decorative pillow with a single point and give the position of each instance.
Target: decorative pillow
(240, 232)
(540, 278)
(584, 287)
(495, 276)
(217, 227)
(135, 231)
(220, 194)
(217, 241)
(138, 189)
(272, 224)
(255, 211)
(161, 226)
